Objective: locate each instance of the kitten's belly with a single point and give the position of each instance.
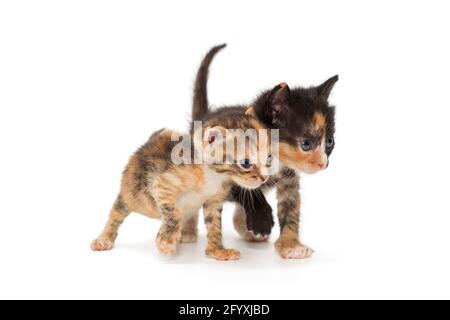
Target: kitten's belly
(191, 202)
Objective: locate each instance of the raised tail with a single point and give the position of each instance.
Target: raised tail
(200, 100)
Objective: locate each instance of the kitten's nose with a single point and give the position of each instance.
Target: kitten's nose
(321, 165)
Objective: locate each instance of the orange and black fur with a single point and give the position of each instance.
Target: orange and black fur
(153, 185)
(306, 123)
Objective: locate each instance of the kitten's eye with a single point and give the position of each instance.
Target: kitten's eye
(246, 164)
(330, 142)
(269, 160)
(306, 144)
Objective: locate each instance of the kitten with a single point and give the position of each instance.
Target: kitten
(306, 123)
(155, 185)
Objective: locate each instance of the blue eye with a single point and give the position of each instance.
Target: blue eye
(330, 142)
(269, 160)
(246, 164)
(306, 144)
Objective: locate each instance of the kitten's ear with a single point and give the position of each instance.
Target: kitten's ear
(277, 109)
(214, 135)
(325, 88)
(213, 144)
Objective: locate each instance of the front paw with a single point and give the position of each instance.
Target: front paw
(167, 245)
(223, 254)
(251, 237)
(102, 244)
(293, 250)
(261, 223)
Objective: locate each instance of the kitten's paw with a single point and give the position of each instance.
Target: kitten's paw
(292, 249)
(189, 237)
(167, 246)
(223, 254)
(297, 251)
(251, 237)
(102, 244)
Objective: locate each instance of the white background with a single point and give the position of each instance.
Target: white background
(84, 83)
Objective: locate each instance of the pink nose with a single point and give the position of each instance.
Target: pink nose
(321, 165)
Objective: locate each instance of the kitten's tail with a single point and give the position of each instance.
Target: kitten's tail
(200, 100)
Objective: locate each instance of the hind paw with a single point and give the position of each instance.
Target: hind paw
(188, 237)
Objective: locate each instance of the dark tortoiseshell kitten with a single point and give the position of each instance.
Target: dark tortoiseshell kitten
(306, 123)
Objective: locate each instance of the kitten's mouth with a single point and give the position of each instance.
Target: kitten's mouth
(312, 169)
(309, 171)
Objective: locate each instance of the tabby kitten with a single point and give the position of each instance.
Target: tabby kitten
(306, 123)
(155, 186)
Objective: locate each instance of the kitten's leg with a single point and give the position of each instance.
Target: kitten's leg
(213, 220)
(240, 224)
(169, 234)
(288, 244)
(105, 240)
(189, 230)
(258, 213)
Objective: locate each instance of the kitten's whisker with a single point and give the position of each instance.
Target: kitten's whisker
(242, 195)
(241, 200)
(252, 200)
(247, 197)
(260, 195)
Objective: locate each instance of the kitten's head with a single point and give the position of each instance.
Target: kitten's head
(239, 147)
(306, 121)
